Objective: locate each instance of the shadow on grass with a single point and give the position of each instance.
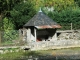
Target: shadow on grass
(34, 55)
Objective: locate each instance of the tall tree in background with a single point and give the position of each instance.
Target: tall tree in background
(66, 12)
(5, 7)
(5, 24)
(21, 13)
(60, 5)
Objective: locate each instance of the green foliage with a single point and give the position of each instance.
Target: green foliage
(60, 5)
(9, 34)
(7, 5)
(21, 13)
(66, 17)
(7, 24)
(11, 55)
(78, 2)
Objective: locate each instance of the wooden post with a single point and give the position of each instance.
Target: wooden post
(71, 26)
(35, 34)
(72, 31)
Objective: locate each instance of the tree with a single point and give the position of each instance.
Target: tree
(7, 5)
(8, 26)
(21, 13)
(66, 17)
(78, 2)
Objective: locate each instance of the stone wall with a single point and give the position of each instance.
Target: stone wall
(65, 40)
(54, 44)
(69, 35)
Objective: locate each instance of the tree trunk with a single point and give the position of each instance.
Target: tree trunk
(1, 16)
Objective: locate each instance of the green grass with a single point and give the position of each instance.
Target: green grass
(23, 55)
(7, 43)
(18, 55)
(10, 56)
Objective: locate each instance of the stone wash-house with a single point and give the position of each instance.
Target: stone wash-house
(41, 28)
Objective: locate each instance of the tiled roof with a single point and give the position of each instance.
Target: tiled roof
(40, 19)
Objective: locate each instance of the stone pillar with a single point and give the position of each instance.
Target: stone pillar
(24, 34)
(55, 36)
(20, 35)
(28, 35)
(35, 35)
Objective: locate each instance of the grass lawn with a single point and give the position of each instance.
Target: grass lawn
(47, 54)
